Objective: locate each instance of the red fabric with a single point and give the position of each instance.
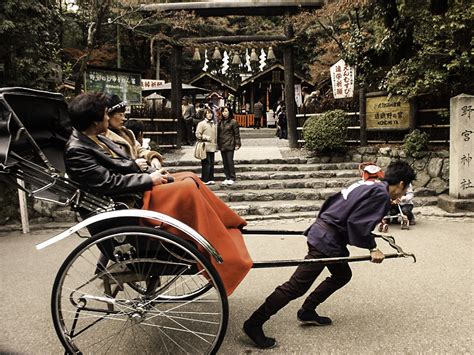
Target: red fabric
(190, 201)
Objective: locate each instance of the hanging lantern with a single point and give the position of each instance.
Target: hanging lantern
(271, 55)
(253, 56)
(197, 55)
(236, 59)
(216, 55)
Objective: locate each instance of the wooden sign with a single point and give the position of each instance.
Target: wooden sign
(387, 114)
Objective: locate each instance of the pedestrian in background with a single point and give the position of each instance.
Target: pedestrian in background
(188, 113)
(228, 140)
(282, 124)
(206, 131)
(257, 114)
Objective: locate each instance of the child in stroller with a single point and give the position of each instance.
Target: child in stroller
(401, 210)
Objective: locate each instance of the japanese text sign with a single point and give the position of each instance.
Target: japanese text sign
(126, 85)
(150, 84)
(342, 78)
(461, 147)
(385, 113)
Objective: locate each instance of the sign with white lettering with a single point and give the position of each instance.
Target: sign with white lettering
(298, 97)
(385, 113)
(150, 84)
(342, 78)
(126, 85)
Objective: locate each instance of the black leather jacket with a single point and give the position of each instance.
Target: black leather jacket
(98, 171)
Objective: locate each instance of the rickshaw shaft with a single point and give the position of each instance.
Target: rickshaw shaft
(324, 261)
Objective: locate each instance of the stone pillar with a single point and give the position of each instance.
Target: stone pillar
(461, 149)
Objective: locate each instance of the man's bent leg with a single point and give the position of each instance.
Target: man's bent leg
(299, 283)
(340, 275)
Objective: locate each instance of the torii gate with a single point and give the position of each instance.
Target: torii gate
(246, 8)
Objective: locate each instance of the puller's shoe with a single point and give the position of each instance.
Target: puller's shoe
(255, 332)
(311, 317)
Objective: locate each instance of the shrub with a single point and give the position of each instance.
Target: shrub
(415, 143)
(327, 132)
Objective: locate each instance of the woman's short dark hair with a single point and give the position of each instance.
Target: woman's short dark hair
(399, 171)
(87, 108)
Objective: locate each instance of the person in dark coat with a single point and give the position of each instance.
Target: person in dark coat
(346, 218)
(98, 165)
(228, 140)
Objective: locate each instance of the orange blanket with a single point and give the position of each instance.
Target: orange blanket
(190, 201)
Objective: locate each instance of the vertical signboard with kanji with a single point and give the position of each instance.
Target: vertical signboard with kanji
(461, 149)
(298, 95)
(342, 78)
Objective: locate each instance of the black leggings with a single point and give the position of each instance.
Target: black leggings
(299, 284)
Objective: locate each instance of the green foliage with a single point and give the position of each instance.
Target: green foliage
(30, 41)
(443, 60)
(326, 132)
(415, 143)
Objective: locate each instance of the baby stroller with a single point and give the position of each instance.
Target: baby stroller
(370, 172)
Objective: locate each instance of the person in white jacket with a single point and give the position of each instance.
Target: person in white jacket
(406, 205)
(206, 132)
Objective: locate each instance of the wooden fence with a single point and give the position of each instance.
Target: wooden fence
(434, 121)
(245, 120)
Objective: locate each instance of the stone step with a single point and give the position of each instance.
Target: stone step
(255, 210)
(307, 194)
(290, 182)
(323, 165)
(250, 133)
(294, 194)
(333, 170)
(263, 172)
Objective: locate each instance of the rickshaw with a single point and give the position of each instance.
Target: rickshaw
(155, 292)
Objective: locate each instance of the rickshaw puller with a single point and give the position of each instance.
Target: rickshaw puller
(346, 218)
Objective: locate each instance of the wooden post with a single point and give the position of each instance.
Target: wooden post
(290, 89)
(25, 225)
(412, 117)
(119, 51)
(158, 54)
(176, 93)
(363, 115)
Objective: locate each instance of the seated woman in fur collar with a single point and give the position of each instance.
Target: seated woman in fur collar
(125, 138)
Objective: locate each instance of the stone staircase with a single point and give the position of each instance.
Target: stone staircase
(285, 188)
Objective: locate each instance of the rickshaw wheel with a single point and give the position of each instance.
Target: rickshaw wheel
(95, 309)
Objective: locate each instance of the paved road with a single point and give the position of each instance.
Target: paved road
(394, 307)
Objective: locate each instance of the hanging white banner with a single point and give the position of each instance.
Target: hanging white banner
(342, 77)
(298, 98)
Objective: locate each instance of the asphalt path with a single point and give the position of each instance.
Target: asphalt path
(395, 307)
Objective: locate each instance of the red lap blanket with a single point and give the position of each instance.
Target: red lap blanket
(190, 201)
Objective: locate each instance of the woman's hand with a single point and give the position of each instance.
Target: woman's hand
(237, 147)
(158, 178)
(155, 163)
(142, 164)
